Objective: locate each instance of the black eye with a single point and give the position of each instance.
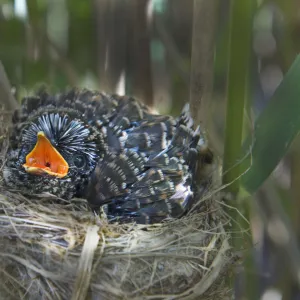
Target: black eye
(79, 161)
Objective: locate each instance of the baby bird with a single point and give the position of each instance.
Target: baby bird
(111, 150)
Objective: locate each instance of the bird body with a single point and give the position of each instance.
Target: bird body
(108, 149)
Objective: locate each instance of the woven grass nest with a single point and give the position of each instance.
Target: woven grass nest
(56, 249)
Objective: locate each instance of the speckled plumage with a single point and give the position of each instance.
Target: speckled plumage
(138, 165)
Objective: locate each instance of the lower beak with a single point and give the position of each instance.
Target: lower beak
(45, 159)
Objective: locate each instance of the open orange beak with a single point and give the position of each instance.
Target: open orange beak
(45, 159)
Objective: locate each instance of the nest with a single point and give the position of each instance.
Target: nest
(56, 249)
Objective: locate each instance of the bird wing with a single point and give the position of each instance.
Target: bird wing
(147, 175)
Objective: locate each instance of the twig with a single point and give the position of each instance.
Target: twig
(111, 21)
(63, 62)
(171, 49)
(6, 97)
(202, 62)
(139, 70)
(40, 35)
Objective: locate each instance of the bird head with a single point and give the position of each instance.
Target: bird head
(53, 147)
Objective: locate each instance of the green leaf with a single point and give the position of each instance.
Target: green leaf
(274, 131)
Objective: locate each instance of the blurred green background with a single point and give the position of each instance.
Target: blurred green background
(143, 48)
(110, 45)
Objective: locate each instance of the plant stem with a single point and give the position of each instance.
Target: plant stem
(237, 89)
(239, 49)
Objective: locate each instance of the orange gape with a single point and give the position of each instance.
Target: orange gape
(44, 158)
